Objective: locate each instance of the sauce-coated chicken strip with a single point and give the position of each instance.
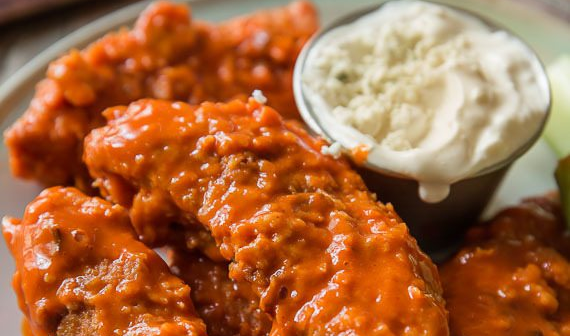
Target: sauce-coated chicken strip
(324, 257)
(513, 276)
(81, 271)
(166, 55)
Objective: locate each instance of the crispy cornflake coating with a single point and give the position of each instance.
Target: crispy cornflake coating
(81, 271)
(513, 275)
(166, 55)
(323, 256)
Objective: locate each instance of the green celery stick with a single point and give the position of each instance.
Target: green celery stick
(563, 179)
(557, 130)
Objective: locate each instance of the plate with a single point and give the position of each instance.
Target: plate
(531, 175)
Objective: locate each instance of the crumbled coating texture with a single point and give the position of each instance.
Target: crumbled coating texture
(81, 271)
(226, 306)
(166, 55)
(321, 254)
(513, 276)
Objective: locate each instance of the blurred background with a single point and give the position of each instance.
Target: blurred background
(27, 27)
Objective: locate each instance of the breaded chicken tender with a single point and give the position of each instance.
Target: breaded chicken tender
(321, 254)
(166, 55)
(81, 271)
(513, 275)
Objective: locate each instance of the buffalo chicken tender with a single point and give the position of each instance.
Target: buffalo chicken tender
(513, 276)
(166, 55)
(81, 271)
(321, 254)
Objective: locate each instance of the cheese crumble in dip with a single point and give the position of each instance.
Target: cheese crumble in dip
(334, 150)
(436, 94)
(259, 96)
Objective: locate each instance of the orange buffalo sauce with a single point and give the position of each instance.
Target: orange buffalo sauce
(81, 271)
(513, 275)
(26, 330)
(166, 55)
(359, 154)
(320, 254)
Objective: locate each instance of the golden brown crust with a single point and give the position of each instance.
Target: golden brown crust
(226, 306)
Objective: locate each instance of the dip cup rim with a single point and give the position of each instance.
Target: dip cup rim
(308, 114)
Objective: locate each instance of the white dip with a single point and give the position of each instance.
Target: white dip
(436, 94)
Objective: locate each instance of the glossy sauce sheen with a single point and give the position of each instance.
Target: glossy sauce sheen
(323, 256)
(166, 55)
(81, 271)
(513, 277)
